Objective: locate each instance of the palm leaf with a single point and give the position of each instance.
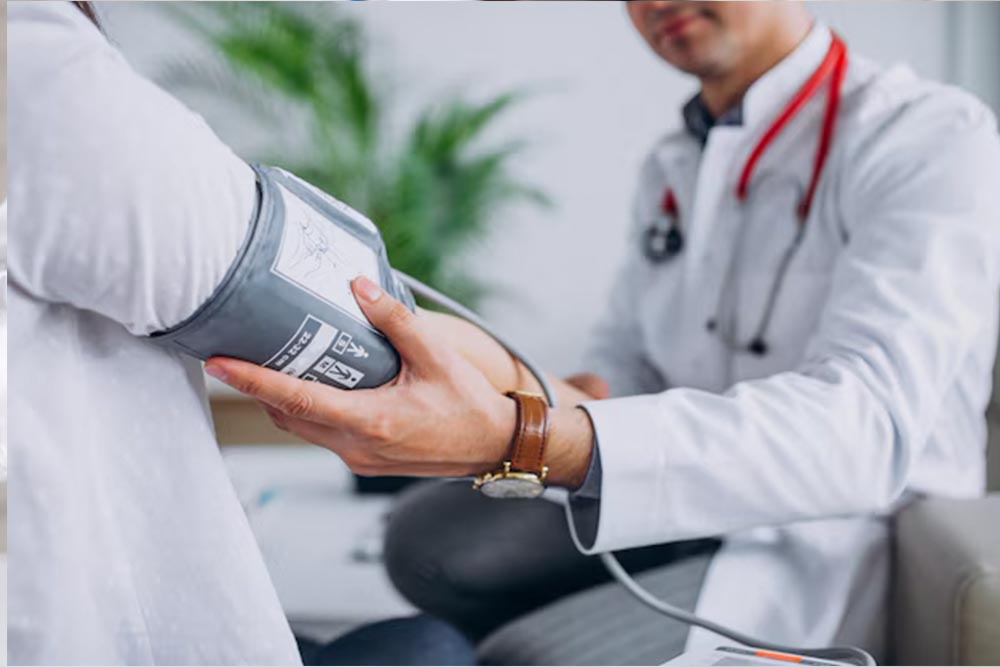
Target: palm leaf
(304, 64)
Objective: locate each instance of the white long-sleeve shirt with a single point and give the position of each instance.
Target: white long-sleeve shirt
(127, 542)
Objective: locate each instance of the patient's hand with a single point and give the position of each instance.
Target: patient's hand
(441, 416)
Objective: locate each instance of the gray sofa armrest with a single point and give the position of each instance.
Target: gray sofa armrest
(946, 583)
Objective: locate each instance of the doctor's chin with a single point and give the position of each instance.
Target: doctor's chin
(501, 333)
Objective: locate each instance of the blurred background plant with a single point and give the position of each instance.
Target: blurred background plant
(302, 67)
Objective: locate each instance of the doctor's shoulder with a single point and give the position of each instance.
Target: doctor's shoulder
(892, 106)
(896, 127)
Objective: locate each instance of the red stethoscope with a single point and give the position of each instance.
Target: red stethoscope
(665, 241)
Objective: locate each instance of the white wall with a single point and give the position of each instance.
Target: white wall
(605, 99)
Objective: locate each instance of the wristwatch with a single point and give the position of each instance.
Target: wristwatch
(523, 474)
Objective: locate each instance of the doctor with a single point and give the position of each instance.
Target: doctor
(800, 338)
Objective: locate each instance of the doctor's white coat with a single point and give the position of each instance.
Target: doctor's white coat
(881, 348)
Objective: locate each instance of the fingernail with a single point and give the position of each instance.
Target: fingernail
(216, 372)
(367, 289)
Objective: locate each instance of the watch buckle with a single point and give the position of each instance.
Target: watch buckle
(505, 472)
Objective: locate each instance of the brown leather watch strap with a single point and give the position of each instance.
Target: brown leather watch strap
(531, 432)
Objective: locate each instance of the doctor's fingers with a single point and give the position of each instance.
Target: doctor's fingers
(407, 332)
(591, 384)
(289, 395)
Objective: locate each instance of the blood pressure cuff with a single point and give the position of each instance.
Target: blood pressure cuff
(286, 302)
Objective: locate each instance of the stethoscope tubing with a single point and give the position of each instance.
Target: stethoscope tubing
(664, 239)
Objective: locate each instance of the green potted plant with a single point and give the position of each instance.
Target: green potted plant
(431, 192)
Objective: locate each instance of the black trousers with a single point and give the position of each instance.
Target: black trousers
(417, 640)
(479, 562)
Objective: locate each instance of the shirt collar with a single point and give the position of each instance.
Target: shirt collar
(769, 93)
(699, 120)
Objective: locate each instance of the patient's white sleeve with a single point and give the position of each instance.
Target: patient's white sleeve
(122, 201)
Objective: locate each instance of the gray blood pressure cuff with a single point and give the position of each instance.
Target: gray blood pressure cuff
(286, 302)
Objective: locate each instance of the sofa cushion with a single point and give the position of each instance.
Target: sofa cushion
(946, 583)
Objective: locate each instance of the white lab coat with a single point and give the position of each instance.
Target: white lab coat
(128, 544)
(881, 348)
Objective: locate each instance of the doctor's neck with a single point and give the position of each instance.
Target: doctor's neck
(726, 45)
(722, 90)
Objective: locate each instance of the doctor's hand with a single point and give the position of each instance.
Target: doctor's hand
(439, 417)
(591, 384)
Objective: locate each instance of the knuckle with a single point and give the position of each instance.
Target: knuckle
(381, 427)
(297, 404)
(399, 316)
(250, 386)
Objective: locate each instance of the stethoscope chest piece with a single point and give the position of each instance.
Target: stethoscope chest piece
(663, 239)
(663, 243)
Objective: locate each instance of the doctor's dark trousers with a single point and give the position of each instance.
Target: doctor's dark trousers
(507, 573)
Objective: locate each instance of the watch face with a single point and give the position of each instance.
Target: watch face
(513, 487)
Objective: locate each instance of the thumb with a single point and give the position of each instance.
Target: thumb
(390, 316)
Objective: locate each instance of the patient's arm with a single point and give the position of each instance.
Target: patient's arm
(442, 416)
(500, 368)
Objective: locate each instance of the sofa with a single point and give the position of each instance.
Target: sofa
(945, 604)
